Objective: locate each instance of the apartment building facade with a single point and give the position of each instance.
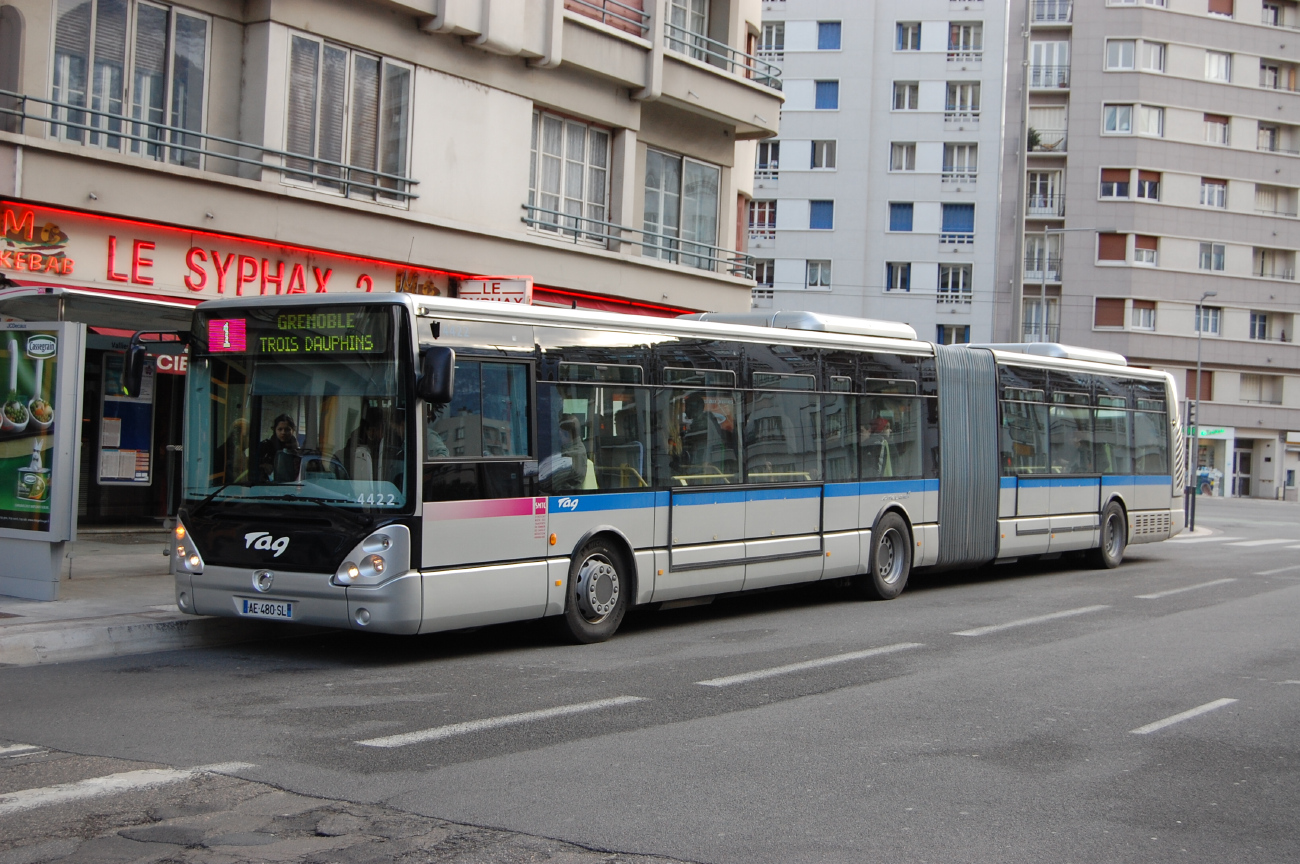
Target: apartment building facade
(880, 197)
(156, 154)
(1157, 167)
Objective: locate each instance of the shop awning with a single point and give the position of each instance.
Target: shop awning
(120, 310)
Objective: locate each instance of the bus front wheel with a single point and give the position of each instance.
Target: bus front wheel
(1113, 539)
(890, 562)
(598, 594)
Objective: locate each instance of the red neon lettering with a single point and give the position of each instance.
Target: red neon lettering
(16, 226)
(113, 275)
(139, 262)
(190, 256)
(246, 275)
(54, 264)
(223, 270)
(20, 261)
(365, 283)
(67, 266)
(322, 279)
(297, 280)
(7, 258)
(277, 279)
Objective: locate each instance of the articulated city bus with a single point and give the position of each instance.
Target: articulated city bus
(409, 464)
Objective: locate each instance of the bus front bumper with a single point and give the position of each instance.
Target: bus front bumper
(303, 598)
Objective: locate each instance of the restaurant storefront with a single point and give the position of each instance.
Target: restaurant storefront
(119, 276)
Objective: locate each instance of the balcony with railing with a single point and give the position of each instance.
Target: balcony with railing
(957, 238)
(1274, 76)
(1035, 332)
(189, 148)
(1045, 206)
(697, 46)
(1277, 17)
(1047, 141)
(953, 297)
(962, 116)
(629, 16)
(664, 246)
(1034, 269)
(1052, 11)
(958, 176)
(1049, 77)
(965, 56)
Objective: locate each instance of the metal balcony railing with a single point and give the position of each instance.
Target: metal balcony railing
(1035, 332)
(623, 16)
(1277, 211)
(1270, 147)
(956, 238)
(946, 297)
(961, 115)
(1275, 273)
(1277, 79)
(1052, 11)
(720, 54)
(176, 145)
(964, 55)
(666, 247)
(1049, 77)
(1045, 205)
(1034, 269)
(1269, 17)
(957, 177)
(1049, 141)
(762, 232)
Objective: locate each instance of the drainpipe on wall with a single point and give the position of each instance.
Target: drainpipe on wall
(1022, 166)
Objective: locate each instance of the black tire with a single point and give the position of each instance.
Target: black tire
(598, 594)
(1113, 538)
(890, 562)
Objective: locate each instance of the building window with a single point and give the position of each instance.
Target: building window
(1117, 119)
(1207, 320)
(136, 60)
(1144, 315)
(1144, 250)
(1268, 138)
(819, 274)
(823, 155)
(1218, 66)
(963, 103)
(1149, 185)
(569, 175)
(955, 283)
(828, 96)
(965, 41)
(906, 95)
(1259, 325)
(1151, 121)
(960, 163)
(1108, 312)
(1261, 389)
(900, 216)
(769, 160)
(1120, 54)
(898, 276)
(1153, 56)
(1114, 182)
(1216, 129)
(1112, 247)
(765, 272)
(821, 215)
(828, 35)
(771, 43)
(952, 334)
(1214, 193)
(762, 220)
(1211, 256)
(681, 210)
(908, 36)
(902, 156)
(1221, 7)
(1270, 76)
(958, 224)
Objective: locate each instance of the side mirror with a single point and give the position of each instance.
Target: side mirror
(133, 368)
(437, 375)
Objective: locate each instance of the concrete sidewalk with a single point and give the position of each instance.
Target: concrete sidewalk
(119, 600)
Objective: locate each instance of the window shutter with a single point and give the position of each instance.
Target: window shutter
(1207, 385)
(1144, 304)
(1114, 175)
(1220, 7)
(1221, 119)
(363, 146)
(1109, 312)
(300, 135)
(1211, 181)
(958, 218)
(1144, 241)
(1149, 176)
(1112, 247)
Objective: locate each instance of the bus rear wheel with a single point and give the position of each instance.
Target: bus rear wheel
(598, 594)
(890, 562)
(1113, 538)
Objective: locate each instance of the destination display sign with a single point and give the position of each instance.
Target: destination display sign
(335, 330)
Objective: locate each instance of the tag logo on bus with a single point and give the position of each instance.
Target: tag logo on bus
(262, 540)
(567, 504)
(228, 335)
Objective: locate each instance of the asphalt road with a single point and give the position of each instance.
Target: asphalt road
(1038, 712)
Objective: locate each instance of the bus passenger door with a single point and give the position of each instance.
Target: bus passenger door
(706, 552)
(783, 542)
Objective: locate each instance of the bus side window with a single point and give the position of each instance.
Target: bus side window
(1150, 441)
(695, 442)
(1023, 437)
(487, 416)
(889, 437)
(782, 436)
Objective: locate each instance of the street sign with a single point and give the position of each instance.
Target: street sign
(501, 289)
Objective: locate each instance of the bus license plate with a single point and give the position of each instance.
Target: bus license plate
(266, 608)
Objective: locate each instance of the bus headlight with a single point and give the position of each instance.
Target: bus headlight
(381, 555)
(186, 557)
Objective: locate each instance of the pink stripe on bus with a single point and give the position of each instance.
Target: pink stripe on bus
(447, 510)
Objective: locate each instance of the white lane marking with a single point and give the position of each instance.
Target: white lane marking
(1178, 718)
(440, 732)
(993, 628)
(758, 674)
(18, 750)
(1279, 570)
(1273, 542)
(1190, 540)
(111, 784)
(1159, 594)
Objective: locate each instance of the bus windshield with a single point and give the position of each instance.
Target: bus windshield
(288, 404)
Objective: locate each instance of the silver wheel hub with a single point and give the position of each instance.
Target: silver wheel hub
(889, 559)
(598, 588)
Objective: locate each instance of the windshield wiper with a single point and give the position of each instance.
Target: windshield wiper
(360, 522)
(198, 508)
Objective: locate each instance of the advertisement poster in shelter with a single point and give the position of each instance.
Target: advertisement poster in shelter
(29, 366)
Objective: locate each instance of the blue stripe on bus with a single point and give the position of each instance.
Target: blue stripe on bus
(1153, 480)
(603, 501)
(713, 496)
(1058, 482)
(783, 494)
(880, 487)
(1007, 483)
(1107, 480)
